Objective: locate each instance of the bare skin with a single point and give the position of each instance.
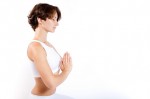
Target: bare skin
(40, 88)
(48, 81)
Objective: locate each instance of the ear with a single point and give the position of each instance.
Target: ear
(39, 20)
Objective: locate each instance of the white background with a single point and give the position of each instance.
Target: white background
(109, 41)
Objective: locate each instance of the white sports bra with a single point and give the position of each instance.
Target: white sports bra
(53, 59)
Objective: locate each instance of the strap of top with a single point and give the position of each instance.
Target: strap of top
(37, 41)
(45, 45)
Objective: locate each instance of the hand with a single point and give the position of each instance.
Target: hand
(66, 63)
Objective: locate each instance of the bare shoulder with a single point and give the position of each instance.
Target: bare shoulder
(34, 49)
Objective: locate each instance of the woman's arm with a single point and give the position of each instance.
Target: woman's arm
(38, 55)
(66, 67)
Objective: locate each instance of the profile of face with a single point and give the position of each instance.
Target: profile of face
(44, 16)
(50, 24)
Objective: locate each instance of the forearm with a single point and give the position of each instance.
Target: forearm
(66, 67)
(60, 78)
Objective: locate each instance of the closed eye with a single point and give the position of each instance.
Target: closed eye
(54, 19)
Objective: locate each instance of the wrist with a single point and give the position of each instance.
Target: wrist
(66, 72)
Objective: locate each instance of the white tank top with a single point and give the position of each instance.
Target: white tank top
(53, 59)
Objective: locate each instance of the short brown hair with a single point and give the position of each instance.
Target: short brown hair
(43, 11)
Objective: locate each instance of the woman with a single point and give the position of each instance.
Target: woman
(50, 69)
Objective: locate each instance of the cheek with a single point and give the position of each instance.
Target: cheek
(48, 24)
(49, 27)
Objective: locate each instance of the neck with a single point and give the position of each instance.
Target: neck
(40, 35)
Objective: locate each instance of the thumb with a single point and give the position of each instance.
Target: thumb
(61, 65)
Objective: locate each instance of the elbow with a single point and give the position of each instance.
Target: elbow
(49, 83)
(53, 91)
(52, 88)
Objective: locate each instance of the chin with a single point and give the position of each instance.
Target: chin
(51, 31)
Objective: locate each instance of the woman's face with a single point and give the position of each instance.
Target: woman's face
(50, 24)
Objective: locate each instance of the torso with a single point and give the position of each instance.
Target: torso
(40, 88)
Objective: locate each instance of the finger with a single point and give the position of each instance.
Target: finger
(60, 62)
(63, 59)
(67, 55)
(61, 65)
(69, 58)
(64, 56)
